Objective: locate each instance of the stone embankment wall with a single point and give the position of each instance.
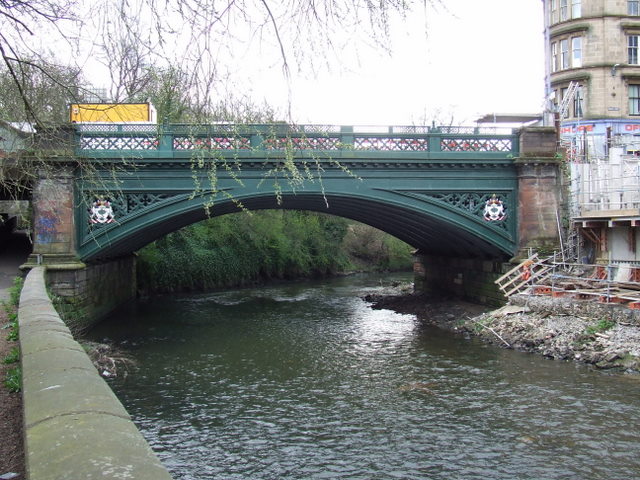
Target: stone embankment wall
(88, 293)
(75, 427)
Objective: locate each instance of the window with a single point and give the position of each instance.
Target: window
(578, 102)
(576, 52)
(564, 10)
(632, 49)
(563, 94)
(553, 13)
(634, 99)
(564, 54)
(633, 7)
(576, 8)
(570, 54)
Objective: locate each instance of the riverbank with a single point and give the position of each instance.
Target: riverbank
(11, 445)
(14, 250)
(605, 336)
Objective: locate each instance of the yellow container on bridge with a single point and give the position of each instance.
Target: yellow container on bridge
(112, 113)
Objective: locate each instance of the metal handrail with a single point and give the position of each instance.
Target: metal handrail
(103, 138)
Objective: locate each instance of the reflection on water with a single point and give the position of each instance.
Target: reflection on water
(305, 381)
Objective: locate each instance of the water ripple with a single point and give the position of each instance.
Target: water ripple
(307, 382)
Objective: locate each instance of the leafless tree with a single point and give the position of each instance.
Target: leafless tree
(20, 22)
(191, 36)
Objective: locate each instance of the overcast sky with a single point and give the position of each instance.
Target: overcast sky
(476, 57)
(451, 64)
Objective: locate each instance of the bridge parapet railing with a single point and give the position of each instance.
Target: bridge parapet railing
(104, 140)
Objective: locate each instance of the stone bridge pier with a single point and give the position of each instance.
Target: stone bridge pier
(91, 287)
(84, 292)
(540, 193)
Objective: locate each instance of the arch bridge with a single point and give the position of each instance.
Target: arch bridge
(451, 192)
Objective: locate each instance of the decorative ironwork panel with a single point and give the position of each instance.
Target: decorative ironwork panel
(391, 144)
(302, 143)
(320, 129)
(211, 143)
(141, 128)
(197, 130)
(121, 205)
(140, 201)
(118, 143)
(96, 127)
(476, 204)
(475, 145)
(117, 127)
(410, 129)
(457, 130)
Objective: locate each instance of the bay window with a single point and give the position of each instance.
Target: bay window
(564, 54)
(576, 52)
(632, 49)
(634, 99)
(578, 102)
(576, 8)
(564, 10)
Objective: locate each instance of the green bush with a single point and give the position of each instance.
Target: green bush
(246, 248)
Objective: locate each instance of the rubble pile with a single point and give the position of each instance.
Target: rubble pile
(604, 335)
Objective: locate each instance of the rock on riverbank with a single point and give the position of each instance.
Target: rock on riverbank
(607, 336)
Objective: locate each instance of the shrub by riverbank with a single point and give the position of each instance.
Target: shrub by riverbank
(249, 248)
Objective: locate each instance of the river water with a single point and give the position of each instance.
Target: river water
(306, 381)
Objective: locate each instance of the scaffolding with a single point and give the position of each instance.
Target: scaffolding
(605, 184)
(614, 283)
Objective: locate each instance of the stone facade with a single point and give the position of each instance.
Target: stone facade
(601, 139)
(538, 207)
(595, 54)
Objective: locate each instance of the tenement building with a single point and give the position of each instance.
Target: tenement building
(593, 80)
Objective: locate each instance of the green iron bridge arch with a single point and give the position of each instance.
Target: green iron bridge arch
(447, 191)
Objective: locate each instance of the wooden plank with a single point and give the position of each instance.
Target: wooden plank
(534, 275)
(517, 288)
(533, 258)
(513, 279)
